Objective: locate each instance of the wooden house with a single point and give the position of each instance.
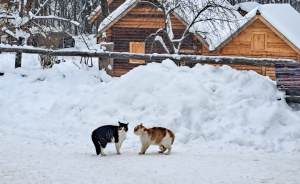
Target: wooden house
(269, 32)
(132, 21)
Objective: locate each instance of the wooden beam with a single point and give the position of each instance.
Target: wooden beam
(187, 59)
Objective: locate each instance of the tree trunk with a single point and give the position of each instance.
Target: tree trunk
(75, 16)
(104, 8)
(18, 60)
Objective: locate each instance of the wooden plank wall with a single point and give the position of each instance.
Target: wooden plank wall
(244, 44)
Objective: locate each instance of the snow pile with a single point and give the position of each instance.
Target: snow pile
(205, 103)
(216, 106)
(7, 64)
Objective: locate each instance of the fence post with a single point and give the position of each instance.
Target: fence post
(18, 60)
(106, 63)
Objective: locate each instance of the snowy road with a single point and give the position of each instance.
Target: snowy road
(230, 128)
(40, 163)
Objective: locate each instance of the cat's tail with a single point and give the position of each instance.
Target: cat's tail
(96, 144)
(172, 135)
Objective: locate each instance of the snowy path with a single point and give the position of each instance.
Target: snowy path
(42, 163)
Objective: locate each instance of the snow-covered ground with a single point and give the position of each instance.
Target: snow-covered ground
(229, 126)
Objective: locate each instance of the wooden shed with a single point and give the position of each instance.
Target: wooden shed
(269, 32)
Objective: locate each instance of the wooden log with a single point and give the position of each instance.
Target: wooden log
(292, 99)
(188, 59)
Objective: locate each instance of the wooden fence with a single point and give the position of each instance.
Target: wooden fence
(187, 59)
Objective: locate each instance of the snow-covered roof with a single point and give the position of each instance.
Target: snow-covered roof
(214, 32)
(247, 6)
(285, 19)
(115, 15)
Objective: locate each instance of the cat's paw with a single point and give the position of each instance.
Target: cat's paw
(141, 153)
(102, 154)
(118, 153)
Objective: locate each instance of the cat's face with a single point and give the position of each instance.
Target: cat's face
(123, 126)
(138, 130)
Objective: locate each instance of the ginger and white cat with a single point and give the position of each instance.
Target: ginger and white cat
(160, 136)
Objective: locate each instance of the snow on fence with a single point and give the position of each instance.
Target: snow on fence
(186, 59)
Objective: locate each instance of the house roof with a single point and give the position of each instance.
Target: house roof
(117, 14)
(284, 18)
(247, 6)
(281, 18)
(214, 32)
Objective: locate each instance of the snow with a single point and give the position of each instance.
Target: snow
(229, 126)
(247, 6)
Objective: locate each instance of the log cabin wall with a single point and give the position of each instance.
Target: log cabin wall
(137, 26)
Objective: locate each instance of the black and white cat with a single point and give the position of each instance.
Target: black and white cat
(109, 134)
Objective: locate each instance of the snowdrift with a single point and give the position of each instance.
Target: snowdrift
(207, 105)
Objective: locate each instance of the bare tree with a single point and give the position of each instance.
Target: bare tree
(104, 8)
(211, 13)
(25, 16)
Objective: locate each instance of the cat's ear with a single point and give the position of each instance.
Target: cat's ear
(119, 122)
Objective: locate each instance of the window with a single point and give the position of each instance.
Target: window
(137, 47)
(259, 41)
